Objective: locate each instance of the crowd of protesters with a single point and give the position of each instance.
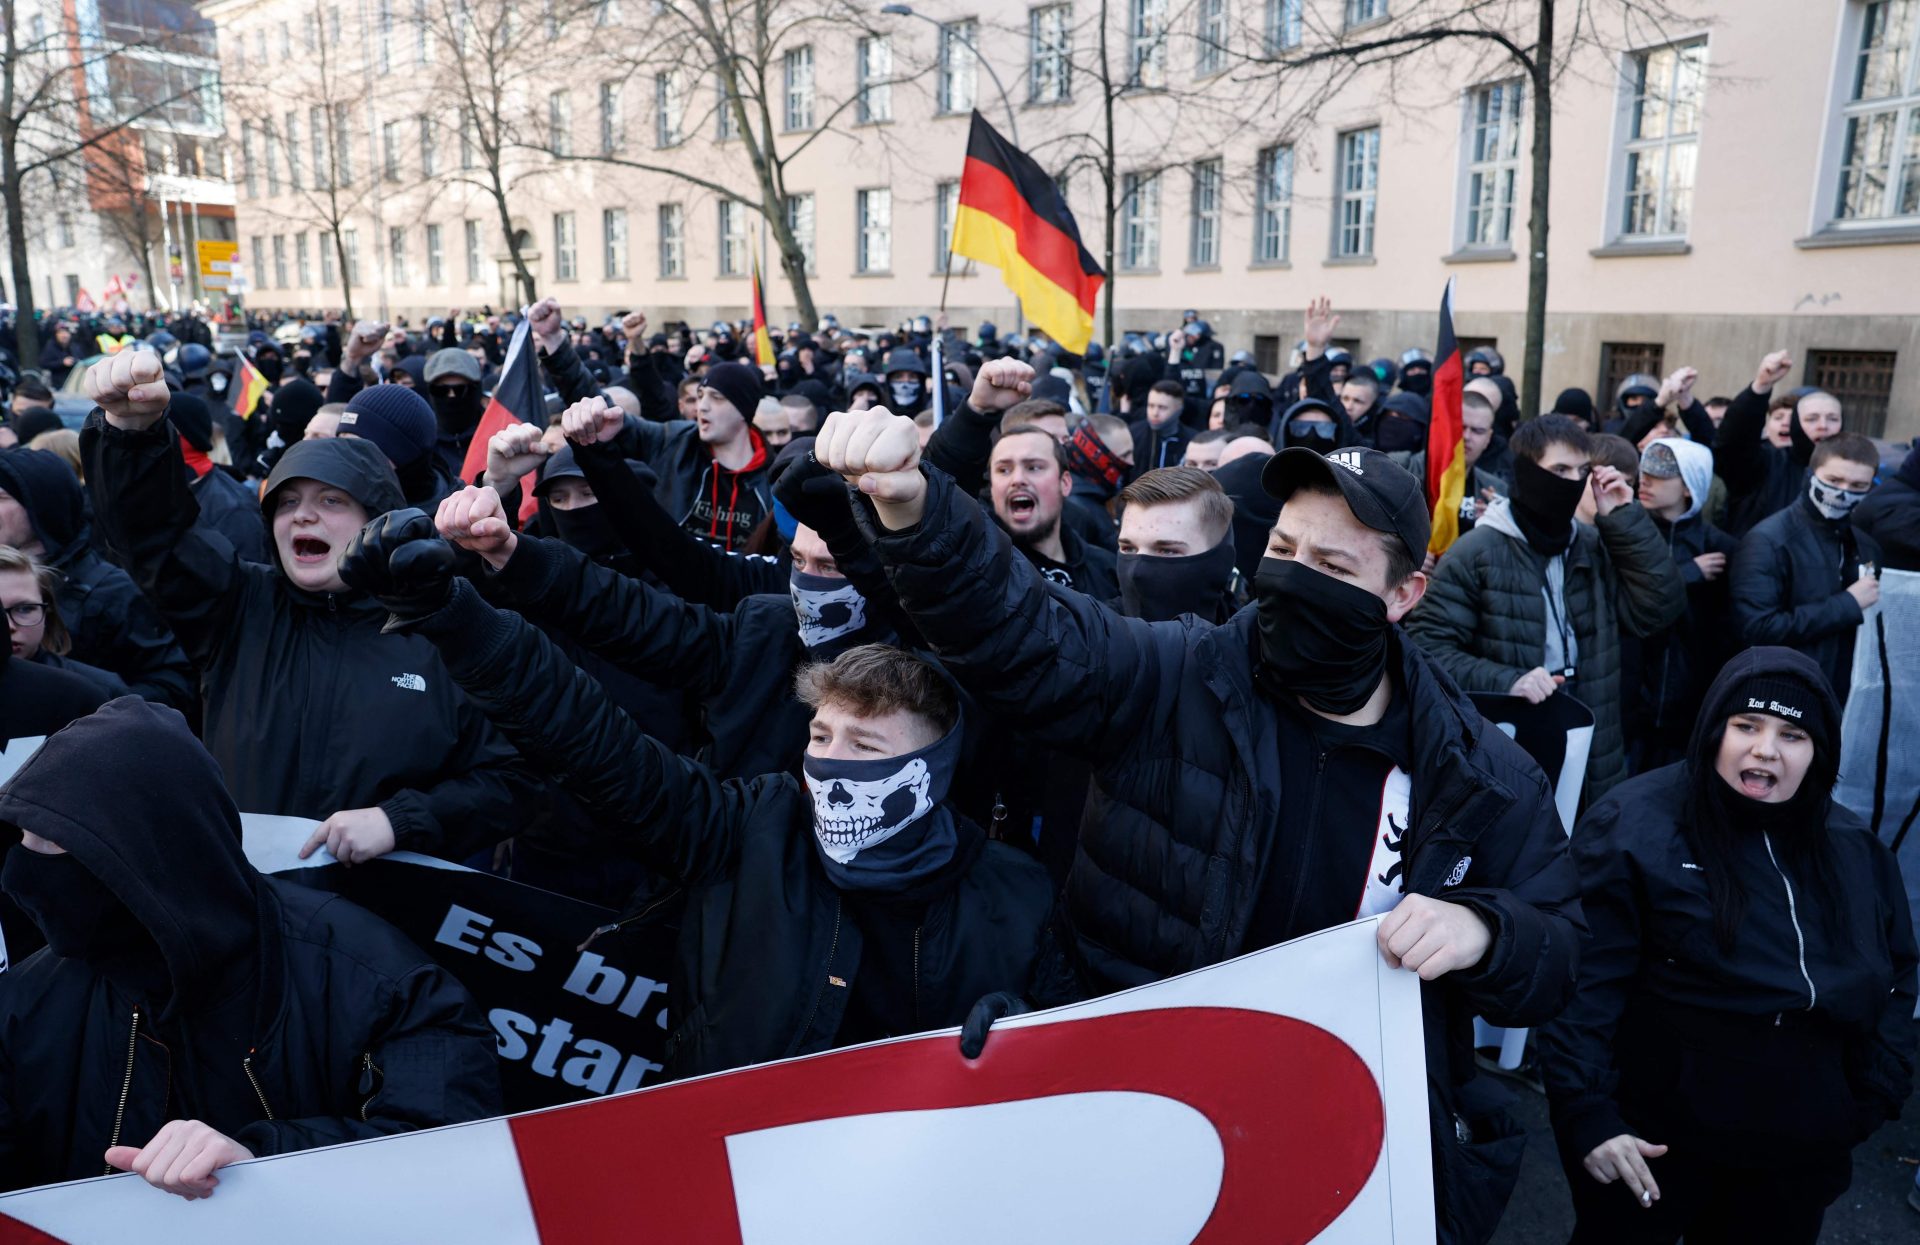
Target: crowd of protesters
(943, 684)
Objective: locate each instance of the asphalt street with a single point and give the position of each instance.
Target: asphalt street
(1873, 1212)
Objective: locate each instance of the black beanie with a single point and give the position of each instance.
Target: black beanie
(294, 403)
(738, 384)
(393, 417)
(1577, 403)
(1788, 697)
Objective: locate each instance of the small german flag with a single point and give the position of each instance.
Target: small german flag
(1446, 445)
(1012, 217)
(762, 343)
(249, 385)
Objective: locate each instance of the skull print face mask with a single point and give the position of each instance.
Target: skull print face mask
(881, 824)
(828, 607)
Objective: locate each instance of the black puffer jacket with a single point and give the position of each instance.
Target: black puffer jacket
(1186, 792)
(1891, 515)
(1789, 582)
(354, 1033)
(1652, 947)
(1484, 619)
(308, 707)
(233, 510)
(769, 950)
(1680, 661)
(113, 626)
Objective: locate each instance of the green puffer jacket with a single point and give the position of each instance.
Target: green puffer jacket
(1484, 619)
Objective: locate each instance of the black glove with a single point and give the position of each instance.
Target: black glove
(401, 560)
(973, 1034)
(815, 496)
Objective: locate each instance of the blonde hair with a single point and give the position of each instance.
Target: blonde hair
(66, 443)
(55, 639)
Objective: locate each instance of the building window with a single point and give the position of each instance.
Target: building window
(1861, 379)
(429, 159)
(669, 110)
(260, 45)
(351, 237)
(343, 143)
(301, 264)
(1203, 245)
(1360, 12)
(1492, 152)
(560, 123)
(800, 225)
(1147, 45)
(422, 48)
(436, 257)
(673, 240)
(327, 274)
(63, 229)
(613, 132)
(566, 249)
(796, 70)
(473, 252)
(333, 23)
(293, 150)
(272, 158)
(874, 210)
(390, 149)
(259, 264)
(280, 261)
(1139, 221)
(874, 67)
(606, 12)
(1359, 184)
(1880, 169)
(946, 209)
(246, 159)
(1049, 43)
(1663, 139)
(1283, 24)
(1211, 37)
(317, 131)
(466, 141)
(725, 124)
(1273, 220)
(397, 254)
(385, 36)
(958, 66)
(613, 230)
(1618, 360)
(733, 238)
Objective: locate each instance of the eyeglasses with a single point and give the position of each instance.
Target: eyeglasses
(1319, 428)
(27, 614)
(451, 391)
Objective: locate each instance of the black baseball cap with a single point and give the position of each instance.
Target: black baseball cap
(1381, 493)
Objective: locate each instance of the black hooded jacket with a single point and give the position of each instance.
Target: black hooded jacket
(309, 708)
(113, 626)
(1789, 582)
(282, 1016)
(1891, 515)
(1762, 479)
(1651, 954)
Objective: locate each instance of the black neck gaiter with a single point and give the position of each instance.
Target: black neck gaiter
(1543, 506)
(1322, 640)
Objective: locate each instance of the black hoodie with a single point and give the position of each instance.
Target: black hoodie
(113, 626)
(282, 1016)
(309, 707)
(1669, 1035)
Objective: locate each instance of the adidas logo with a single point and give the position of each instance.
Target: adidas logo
(1350, 459)
(409, 682)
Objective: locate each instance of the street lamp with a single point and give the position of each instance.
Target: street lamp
(1013, 123)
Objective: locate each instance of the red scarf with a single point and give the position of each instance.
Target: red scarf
(196, 459)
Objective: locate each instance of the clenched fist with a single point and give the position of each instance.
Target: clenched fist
(633, 327)
(591, 420)
(879, 453)
(1773, 369)
(363, 343)
(475, 520)
(130, 387)
(546, 325)
(513, 452)
(1001, 384)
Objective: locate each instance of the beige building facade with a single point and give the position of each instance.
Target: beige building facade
(1745, 181)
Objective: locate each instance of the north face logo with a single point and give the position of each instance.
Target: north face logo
(1350, 459)
(409, 682)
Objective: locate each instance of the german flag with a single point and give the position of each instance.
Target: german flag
(1446, 447)
(248, 386)
(1011, 216)
(762, 343)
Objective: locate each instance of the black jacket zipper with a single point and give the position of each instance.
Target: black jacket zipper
(833, 949)
(126, 1088)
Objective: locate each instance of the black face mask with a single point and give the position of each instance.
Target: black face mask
(1322, 640)
(1316, 434)
(1417, 382)
(1543, 506)
(1394, 433)
(269, 366)
(1159, 589)
(587, 529)
(456, 414)
(81, 918)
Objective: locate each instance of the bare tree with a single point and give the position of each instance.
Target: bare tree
(116, 177)
(131, 74)
(1546, 41)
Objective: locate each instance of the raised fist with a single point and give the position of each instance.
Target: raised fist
(877, 451)
(1773, 370)
(513, 452)
(591, 420)
(475, 520)
(400, 560)
(363, 342)
(633, 326)
(1001, 384)
(546, 324)
(131, 387)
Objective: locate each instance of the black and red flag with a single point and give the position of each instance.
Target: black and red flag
(516, 396)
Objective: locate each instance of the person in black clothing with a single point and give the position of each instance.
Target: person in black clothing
(186, 1012)
(847, 906)
(401, 423)
(310, 709)
(226, 505)
(58, 354)
(1405, 801)
(1764, 479)
(1360, 398)
(1744, 1012)
(1891, 515)
(1028, 481)
(1416, 372)
(1678, 662)
(1160, 438)
(1806, 576)
(1176, 548)
(43, 513)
